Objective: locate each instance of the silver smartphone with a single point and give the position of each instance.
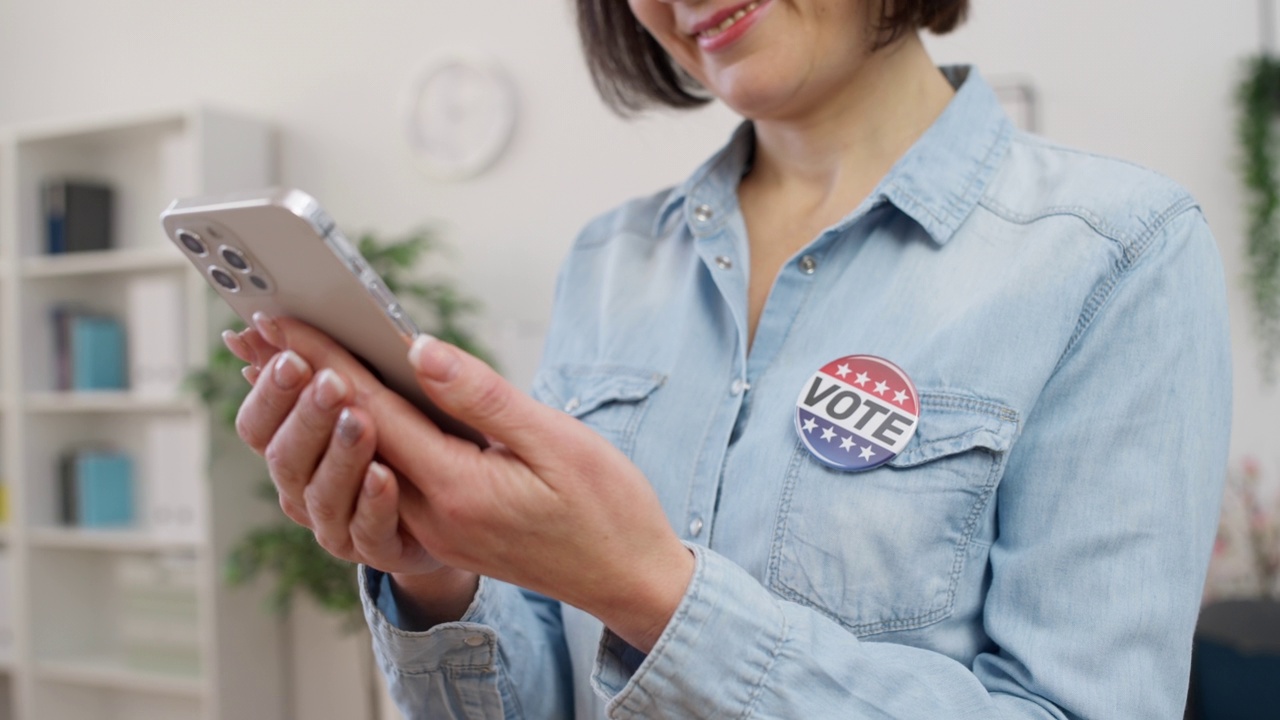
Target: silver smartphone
(276, 251)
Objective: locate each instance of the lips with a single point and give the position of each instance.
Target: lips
(720, 22)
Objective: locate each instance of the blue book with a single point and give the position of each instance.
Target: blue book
(103, 489)
(97, 354)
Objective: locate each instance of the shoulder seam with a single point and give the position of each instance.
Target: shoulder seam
(1130, 256)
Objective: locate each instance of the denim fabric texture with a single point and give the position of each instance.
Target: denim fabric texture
(1038, 549)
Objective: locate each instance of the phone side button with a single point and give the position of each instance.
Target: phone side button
(402, 321)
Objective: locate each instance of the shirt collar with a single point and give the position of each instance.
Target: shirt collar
(937, 183)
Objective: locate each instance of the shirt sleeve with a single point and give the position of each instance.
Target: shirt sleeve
(1105, 520)
(505, 658)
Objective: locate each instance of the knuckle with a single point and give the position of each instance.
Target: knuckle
(319, 507)
(294, 512)
(247, 430)
(492, 398)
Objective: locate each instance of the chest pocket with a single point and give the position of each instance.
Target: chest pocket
(610, 399)
(883, 550)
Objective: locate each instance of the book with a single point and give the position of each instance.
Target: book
(78, 216)
(89, 351)
(97, 489)
(156, 334)
(174, 479)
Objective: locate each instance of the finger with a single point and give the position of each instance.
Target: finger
(320, 350)
(375, 526)
(238, 347)
(298, 446)
(251, 374)
(269, 403)
(261, 350)
(331, 494)
(471, 391)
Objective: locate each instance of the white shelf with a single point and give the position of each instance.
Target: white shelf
(111, 673)
(129, 541)
(106, 402)
(102, 262)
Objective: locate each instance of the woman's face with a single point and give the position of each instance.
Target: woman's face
(763, 58)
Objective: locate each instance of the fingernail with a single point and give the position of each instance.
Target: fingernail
(289, 370)
(349, 427)
(268, 329)
(437, 360)
(233, 343)
(331, 389)
(376, 479)
(251, 374)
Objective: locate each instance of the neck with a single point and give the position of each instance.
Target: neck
(836, 150)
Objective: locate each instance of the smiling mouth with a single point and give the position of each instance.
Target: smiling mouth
(728, 22)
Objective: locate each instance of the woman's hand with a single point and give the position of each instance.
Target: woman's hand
(319, 448)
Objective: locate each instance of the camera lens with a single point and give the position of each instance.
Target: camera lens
(192, 242)
(258, 282)
(223, 278)
(235, 259)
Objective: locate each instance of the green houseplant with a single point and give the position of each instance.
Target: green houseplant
(1258, 99)
(281, 550)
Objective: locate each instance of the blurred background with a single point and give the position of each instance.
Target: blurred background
(474, 120)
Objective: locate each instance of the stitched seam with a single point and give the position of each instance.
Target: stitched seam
(784, 515)
(961, 402)
(971, 524)
(1127, 260)
(1079, 212)
(757, 689)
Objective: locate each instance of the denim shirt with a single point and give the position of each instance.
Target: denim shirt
(1037, 550)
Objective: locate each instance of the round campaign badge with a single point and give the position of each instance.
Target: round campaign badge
(857, 413)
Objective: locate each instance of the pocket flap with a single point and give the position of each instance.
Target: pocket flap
(580, 389)
(951, 423)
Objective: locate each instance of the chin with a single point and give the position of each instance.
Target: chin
(757, 99)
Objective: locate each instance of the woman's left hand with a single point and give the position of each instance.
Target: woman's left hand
(550, 506)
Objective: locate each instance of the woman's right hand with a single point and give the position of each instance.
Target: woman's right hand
(319, 444)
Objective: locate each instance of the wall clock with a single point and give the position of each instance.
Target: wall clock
(460, 115)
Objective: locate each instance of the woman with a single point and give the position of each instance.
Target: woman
(888, 411)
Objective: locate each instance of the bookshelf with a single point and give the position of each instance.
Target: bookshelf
(132, 623)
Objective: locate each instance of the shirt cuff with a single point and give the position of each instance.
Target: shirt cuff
(727, 626)
(470, 643)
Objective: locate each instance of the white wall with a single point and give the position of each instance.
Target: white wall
(1150, 80)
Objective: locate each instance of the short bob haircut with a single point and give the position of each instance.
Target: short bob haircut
(632, 72)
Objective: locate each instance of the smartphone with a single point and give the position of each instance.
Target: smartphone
(276, 251)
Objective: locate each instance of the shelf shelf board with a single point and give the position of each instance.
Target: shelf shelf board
(131, 541)
(102, 262)
(106, 401)
(107, 672)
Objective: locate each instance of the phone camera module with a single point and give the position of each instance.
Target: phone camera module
(192, 242)
(258, 282)
(235, 259)
(223, 278)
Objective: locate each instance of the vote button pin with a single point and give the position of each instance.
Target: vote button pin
(857, 412)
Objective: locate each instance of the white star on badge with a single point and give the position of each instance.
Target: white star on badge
(866, 453)
(899, 397)
(861, 380)
(810, 425)
(846, 443)
(843, 370)
(827, 434)
(881, 388)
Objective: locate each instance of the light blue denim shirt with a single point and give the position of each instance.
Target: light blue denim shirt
(1036, 551)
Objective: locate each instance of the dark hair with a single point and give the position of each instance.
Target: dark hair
(632, 71)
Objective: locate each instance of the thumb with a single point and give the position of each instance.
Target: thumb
(471, 391)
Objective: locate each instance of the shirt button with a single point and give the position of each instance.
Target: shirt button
(724, 262)
(808, 264)
(572, 405)
(695, 527)
(737, 387)
(474, 640)
(702, 213)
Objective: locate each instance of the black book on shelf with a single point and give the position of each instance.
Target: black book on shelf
(77, 216)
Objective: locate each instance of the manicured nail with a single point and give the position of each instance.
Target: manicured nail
(236, 345)
(268, 328)
(349, 428)
(251, 374)
(437, 360)
(331, 389)
(376, 479)
(290, 369)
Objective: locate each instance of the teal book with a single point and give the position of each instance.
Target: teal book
(103, 489)
(97, 353)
